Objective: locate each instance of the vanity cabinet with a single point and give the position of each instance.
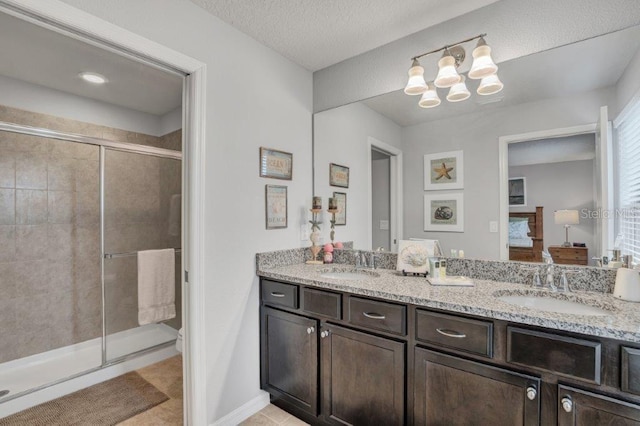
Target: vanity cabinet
(362, 378)
(581, 408)
(331, 357)
(289, 353)
(449, 390)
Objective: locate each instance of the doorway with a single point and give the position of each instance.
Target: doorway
(385, 195)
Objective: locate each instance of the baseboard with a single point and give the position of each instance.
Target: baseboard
(245, 411)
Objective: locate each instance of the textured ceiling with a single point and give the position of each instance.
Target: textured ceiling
(318, 33)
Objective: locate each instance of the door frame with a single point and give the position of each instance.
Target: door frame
(61, 17)
(503, 156)
(396, 209)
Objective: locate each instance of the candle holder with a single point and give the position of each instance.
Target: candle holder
(332, 234)
(315, 237)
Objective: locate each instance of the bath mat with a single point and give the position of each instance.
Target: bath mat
(106, 403)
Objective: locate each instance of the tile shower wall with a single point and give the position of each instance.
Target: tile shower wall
(50, 292)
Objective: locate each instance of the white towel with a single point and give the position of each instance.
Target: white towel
(156, 285)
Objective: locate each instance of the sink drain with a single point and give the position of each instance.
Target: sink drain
(3, 393)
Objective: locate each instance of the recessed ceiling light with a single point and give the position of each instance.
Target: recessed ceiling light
(93, 77)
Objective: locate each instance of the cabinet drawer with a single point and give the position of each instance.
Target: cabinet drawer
(565, 356)
(282, 294)
(465, 334)
(377, 315)
(322, 302)
(630, 380)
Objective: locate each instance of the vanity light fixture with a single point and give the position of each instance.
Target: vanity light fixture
(430, 98)
(483, 68)
(93, 77)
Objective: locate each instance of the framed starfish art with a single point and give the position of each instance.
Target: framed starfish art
(443, 170)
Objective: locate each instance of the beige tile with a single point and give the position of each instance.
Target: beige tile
(31, 242)
(32, 277)
(8, 246)
(294, 421)
(7, 206)
(31, 171)
(60, 241)
(276, 414)
(61, 174)
(61, 206)
(31, 207)
(259, 419)
(7, 168)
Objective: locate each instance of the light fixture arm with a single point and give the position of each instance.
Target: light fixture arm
(447, 47)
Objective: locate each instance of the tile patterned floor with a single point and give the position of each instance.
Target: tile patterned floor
(167, 377)
(272, 416)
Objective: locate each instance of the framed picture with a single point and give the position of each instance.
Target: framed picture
(341, 199)
(517, 192)
(413, 256)
(444, 211)
(276, 206)
(444, 170)
(338, 175)
(276, 164)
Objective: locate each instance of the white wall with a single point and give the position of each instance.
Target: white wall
(558, 186)
(341, 137)
(477, 135)
(32, 97)
(254, 97)
(380, 199)
(628, 85)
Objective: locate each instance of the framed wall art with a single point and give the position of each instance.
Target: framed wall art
(517, 192)
(276, 206)
(444, 211)
(444, 170)
(341, 199)
(338, 175)
(276, 164)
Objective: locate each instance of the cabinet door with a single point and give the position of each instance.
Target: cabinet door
(577, 407)
(362, 378)
(289, 361)
(453, 391)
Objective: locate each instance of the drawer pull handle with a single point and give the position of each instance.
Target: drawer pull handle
(277, 294)
(567, 404)
(374, 315)
(310, 330)
(451, 333)
(532, 393)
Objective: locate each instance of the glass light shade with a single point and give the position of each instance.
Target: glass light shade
(416, 84)
(489, 85)
(458, 91)
(430, 98)
(482, 65)
(447, 73)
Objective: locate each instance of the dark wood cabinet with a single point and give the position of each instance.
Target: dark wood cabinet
(330, 357)
(582, 408)
(362, 378)
(290, 358)
(453, 391)
(569, 255)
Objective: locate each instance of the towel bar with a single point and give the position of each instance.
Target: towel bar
(129, 253)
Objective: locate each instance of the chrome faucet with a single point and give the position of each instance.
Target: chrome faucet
(366, 260)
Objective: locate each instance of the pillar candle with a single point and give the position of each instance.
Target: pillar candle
(333, 203)
(317, 203)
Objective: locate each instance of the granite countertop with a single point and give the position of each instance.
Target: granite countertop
(622, 324)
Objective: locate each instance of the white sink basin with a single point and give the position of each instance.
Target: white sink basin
(550, 304)
(348, 275)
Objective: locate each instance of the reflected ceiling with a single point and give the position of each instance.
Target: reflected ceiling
(596, 63)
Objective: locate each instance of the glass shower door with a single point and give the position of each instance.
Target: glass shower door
(142, 199)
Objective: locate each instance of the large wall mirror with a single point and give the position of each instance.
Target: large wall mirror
(547, 119)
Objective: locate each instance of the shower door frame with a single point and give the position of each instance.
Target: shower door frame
(103, 145)
(61, 17)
